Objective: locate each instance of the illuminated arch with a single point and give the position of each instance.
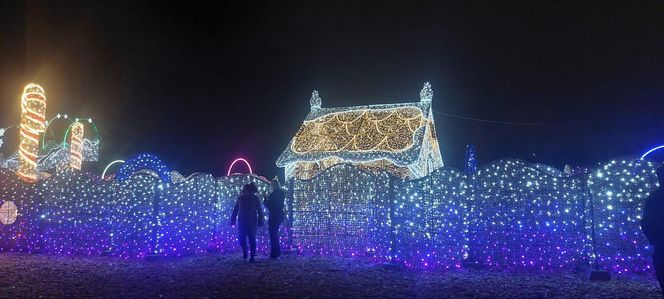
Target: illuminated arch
(239, 160)
(48, 131)
(103, 174)
(652, 150)
(54, 142)
(90, 122)
(144, 161)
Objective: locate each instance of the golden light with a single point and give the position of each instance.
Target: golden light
(76, 145)
(33, 123)
(397, 138)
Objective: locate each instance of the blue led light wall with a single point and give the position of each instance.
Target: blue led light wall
(507, 215)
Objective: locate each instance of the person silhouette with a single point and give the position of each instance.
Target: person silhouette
(652, 225)
(249, 213)
(275, 206)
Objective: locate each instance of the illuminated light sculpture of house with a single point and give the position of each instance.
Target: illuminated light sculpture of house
(397, 138)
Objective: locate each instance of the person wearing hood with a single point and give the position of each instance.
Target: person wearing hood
(249, 215)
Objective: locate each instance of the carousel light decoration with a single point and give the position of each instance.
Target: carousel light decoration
(398, 138)
(33, 118)
(76, 145)
(239, 160)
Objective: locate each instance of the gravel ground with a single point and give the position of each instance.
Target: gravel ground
(25, 275)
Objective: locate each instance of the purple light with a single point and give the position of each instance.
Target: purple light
(239, 160)
(508, 215)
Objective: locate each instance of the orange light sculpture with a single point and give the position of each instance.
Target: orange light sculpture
(33, 123)
(76, 145)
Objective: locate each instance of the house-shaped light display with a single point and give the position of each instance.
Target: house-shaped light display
(397, 138)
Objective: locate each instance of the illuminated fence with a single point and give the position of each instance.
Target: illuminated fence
(343, 212)
(135, 220)
(619, 190)
(430, 220)
(525, 217)
(180, 218)
(74, 214)
(189, 215)
(19, 234)
(508, 215)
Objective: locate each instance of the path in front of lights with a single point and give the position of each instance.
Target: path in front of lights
(227, 275)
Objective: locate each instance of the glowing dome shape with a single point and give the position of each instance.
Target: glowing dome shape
(144, 161)
(8, 213)
(76, 145)
(33, 123)
(239, 160)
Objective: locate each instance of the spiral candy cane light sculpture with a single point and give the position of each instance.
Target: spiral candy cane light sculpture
(33, 123)
(76, 145)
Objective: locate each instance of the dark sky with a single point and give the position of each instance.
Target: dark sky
(201, 84)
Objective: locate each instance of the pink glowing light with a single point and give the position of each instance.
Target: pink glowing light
(239, 160)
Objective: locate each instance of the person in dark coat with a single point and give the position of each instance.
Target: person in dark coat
(275, 206)
(249, 213)
(652, 224)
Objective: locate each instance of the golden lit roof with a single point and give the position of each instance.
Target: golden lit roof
(394, 132)
(383, 130)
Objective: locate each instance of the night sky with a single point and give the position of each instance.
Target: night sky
(202, 84)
